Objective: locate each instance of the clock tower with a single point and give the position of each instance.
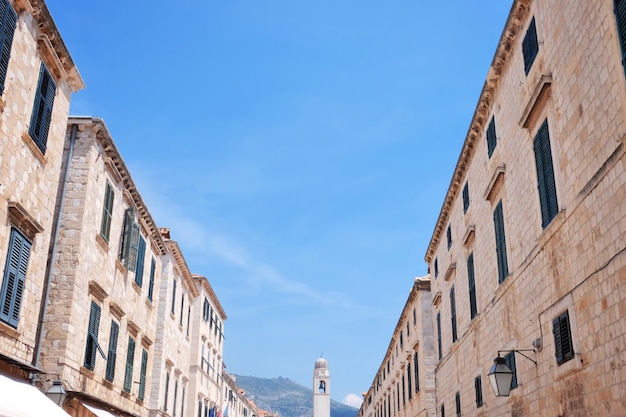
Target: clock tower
(321, 389)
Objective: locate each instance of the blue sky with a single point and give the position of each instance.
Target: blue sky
(299, 151)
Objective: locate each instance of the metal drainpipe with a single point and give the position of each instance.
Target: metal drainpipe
(52, 255)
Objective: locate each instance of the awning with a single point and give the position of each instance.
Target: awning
(24, 400)
(99, 412)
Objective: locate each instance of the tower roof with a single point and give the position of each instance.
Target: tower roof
(321, 363)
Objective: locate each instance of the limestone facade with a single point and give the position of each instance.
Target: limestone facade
(37, 78)
(529, 250)
(404, 385)
(207, 349)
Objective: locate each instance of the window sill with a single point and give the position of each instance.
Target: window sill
(149, 304)
(9, 331)
(37, 153)
(86, 372)
(103, 243)
(136, 287)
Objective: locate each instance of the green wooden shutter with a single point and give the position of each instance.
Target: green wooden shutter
(167, 388)
(439, 335)
(173, 297)
(151, 284)
(416, 370)
(491, 136)
(107, 212)
(453, 314)
(141, 253)
(133, 250)
(564, 350)
(92, 336)
(129, 218)
(620, 16)
(14, 278)
(510, 362)
(142, 375)
(42, 108)
(112, 354)
(545, 175)
(8, 19)
(130, 357)
(466, 200)
(472, 285)
(530, 46)
(498, 223)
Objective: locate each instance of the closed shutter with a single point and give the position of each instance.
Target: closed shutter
(107, 212)
(151, 284)
(465, 197)
(112, 355)
(129, 217)
(142, 375)
(491, 137)
(439, 335)
(42, 108)
(14, 278)
(545, 175)
(141, 253)
(133, 250)
(498, 223)
(8, 19)
(620, 16)
(564, 350)
(472, 285)
(453, 314)
(530, 46)
(509, 359)
(130, 357)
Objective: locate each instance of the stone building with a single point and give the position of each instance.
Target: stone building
(235, 403)
(207, 350)
(101, 326)
(528, 256)
(171, 362)
(37, 77)
(404, 385)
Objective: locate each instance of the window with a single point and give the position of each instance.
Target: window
(439, 335)
(205, 310)
(167, 388)
(401, 340)
(510, 362)
(466, 200)
(175, 395)
(130, 357)
(409, 378)
(442, 411)
(130, 240)
(182, 404)
(457, 400)
(564, 350)
(620, 15)
(472, 286)
(498, 224)
(453, 314)
(182, 310)
(436, 267)
(414, 318)
(545, 175)
(107, 212)
(141, 254)
(530, 46)
(92, 337)
(478, 389)
(492, 139)
(173, 297)
(42, 109)
(14, 278)
(449, 236)
(112, 355)
(188, 317)
(8, 19)
(151, 284)
(403, 392)
(142, 376)
(417, 373)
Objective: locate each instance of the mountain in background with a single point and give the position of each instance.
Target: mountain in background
(286, 397)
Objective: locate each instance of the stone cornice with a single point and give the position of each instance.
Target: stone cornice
(204, 282)
(517, 16)
(113, 158)
(53, 41)
(174, 249)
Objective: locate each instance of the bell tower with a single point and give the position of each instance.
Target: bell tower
(321, 389)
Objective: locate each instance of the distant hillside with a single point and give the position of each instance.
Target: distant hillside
(286, 397)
